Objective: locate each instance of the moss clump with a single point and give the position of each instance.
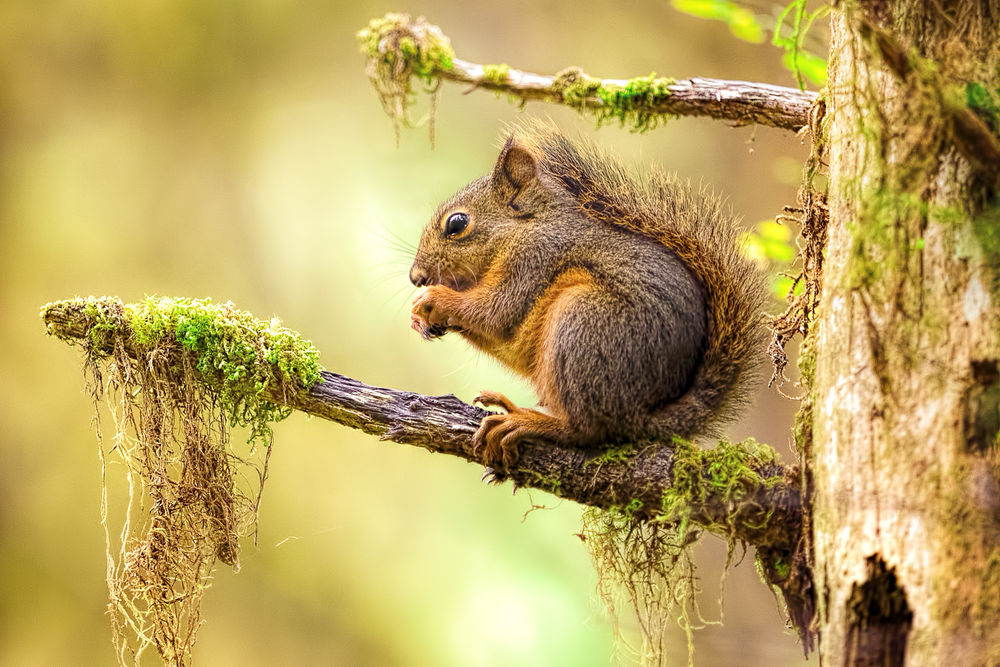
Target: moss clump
(177, 374)
(646, 563)
(496, 73)
(399, 48)
(984, 102)
(728, 473)
(618, 454)
(633, 104)
(236, 356)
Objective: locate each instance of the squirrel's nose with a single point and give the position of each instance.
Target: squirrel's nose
(418, 276)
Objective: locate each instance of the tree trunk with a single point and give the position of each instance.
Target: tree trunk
(905, 463)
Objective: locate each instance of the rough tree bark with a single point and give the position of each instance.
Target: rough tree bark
(904, 449)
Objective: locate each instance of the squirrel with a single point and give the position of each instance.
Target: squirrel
(626, 303)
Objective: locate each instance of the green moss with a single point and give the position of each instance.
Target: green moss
(633, 105)
(235, 355)
(496, 73)
(986, 228)
(630, 510)
(619, 454)
(729, 472)
(397, 40)
(399, 48)
(549, 483)
(178, 373)
(984, 102)
(876, 251)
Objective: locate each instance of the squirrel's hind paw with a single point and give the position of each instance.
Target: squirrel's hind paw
(499, 435)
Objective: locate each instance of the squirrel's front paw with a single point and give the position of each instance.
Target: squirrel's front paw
(427, 318)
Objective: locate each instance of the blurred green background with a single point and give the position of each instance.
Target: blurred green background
(233, 149)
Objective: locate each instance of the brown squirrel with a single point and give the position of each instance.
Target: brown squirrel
(627, 305)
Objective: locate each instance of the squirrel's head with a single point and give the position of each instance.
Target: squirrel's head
(470, 229)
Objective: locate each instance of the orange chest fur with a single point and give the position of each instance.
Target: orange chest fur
(525, 351)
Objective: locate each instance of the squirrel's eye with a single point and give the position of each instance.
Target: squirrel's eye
(456, 224)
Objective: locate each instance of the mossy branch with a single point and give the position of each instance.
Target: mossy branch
(399, 48)
(736, 490)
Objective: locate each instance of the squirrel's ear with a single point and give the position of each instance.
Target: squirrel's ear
(515, 170)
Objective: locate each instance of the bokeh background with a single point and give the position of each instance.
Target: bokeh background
(233, 149)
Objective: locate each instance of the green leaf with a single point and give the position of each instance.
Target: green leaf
(741, 21)
(743, 24)
(706, 9)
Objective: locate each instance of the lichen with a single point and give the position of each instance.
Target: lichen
(802, 429)
(986, 228)
(645, 566)
(177, 375)
(397, 49)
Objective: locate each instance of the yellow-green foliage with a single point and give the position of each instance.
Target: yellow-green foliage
(236, 355)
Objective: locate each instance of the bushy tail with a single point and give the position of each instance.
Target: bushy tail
(702, 231)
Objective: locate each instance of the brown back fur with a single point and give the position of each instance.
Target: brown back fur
(702, 232)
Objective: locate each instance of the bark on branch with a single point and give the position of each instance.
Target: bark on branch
(770, 517)
(740, 102)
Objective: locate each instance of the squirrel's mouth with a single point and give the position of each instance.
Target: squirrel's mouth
(458, 281)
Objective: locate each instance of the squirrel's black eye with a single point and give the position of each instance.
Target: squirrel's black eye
(456, 224)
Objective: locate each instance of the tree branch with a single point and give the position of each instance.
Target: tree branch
(741, 102)
(398, 48)
(765, 513)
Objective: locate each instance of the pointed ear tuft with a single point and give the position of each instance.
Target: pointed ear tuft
(515, 170)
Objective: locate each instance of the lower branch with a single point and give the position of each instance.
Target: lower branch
(732, 490)
(769, 516)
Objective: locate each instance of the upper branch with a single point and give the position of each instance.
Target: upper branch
(741, 102)
(399, 48)
(737, 494)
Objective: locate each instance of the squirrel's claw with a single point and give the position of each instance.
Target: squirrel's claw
(497, 436)
(491, 476)
(427, 319)
(426, 329)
